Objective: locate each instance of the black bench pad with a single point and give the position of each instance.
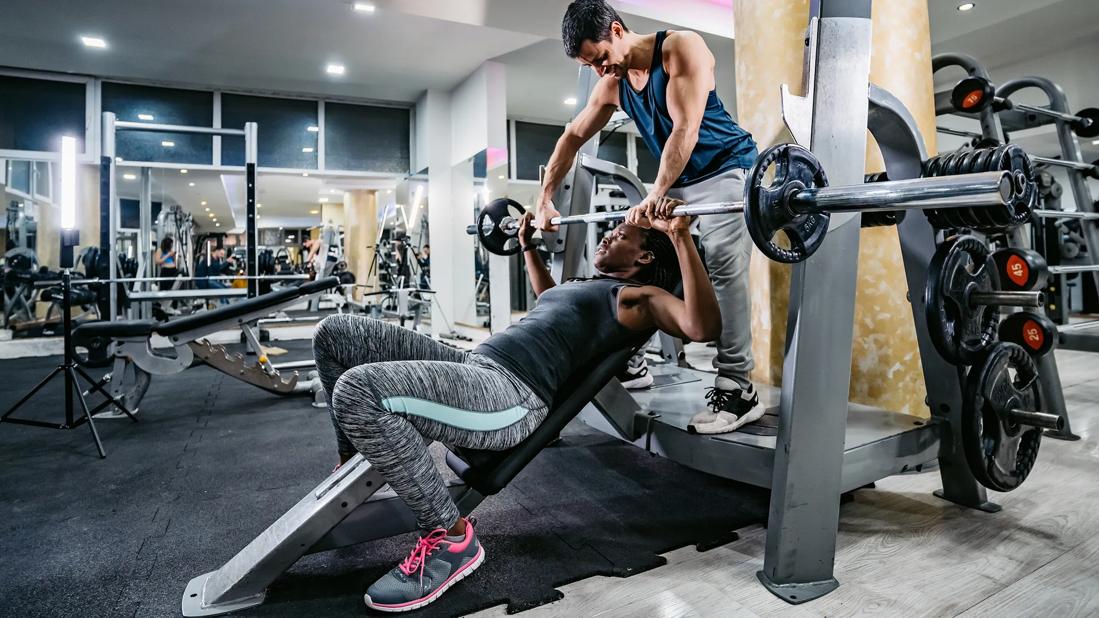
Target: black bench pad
(244, 307)
(114, 330)
(491, 471)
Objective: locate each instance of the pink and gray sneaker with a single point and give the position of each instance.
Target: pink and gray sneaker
(435, 564)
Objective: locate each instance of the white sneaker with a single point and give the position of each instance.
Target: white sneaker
(730, 409)
(636, 374)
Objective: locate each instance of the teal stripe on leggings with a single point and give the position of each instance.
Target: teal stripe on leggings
(455, 417)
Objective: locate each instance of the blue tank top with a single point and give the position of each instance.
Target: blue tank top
(722, 144)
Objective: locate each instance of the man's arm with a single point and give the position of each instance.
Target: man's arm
(690, 67)
(697, 316)
(601, 106)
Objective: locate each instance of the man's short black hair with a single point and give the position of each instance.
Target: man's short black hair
(587, 20)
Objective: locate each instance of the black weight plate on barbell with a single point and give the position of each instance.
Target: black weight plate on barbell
(954, 217)
(991, 216)
(969, 215)
(961, 333)
(931, 169)
(880, 218)
(1000, 452)
(493, 226)
(766, 212)
(1016, 160)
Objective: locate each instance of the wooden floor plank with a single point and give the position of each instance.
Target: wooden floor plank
(1067, 586)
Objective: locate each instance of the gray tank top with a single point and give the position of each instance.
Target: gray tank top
(571, 325)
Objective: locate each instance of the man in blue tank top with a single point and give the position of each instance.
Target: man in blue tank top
(665, 82)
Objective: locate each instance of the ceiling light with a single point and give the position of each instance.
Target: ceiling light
(145, 117)
(333, 191)
(364, 7)
(313, 129)
(182, 171)
(306, 174)
(258, 205)
(335, 69)
(204, 203)
(1095, 142)
(323, 200)
(118, 159)
(217, 225)
(570, 101)
(314, 212)
(501, 177)
(388, 191)
(966, 6)
(129, 177)
(190, 184)
(211, 215)
(307, 149)
(94, 41)
(168, 144)
(207, 208)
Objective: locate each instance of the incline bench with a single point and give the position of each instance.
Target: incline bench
(346, 508)
(133, 352)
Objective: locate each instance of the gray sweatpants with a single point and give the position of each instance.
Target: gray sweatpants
(390, 388)
(728, 251)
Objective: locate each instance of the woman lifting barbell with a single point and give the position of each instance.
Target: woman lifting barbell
(389, 388)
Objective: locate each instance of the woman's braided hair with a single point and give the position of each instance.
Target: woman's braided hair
(663, 271)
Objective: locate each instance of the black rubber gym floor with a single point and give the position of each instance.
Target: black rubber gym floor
(213, 461)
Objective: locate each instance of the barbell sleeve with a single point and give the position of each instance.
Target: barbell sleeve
(1008, 299)
(1060, 214)
(1043, 420)
(1068, 270)
(964, 190)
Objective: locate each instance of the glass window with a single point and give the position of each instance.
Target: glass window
(35, 113)
(284, 138)
(647, 164)
(42, 184)
(135, 103)
(534, 144)
(612, 147)
(366, 138)
(130, 212)
(19, 176)
(480, 163)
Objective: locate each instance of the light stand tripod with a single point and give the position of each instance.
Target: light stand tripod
(69, 369)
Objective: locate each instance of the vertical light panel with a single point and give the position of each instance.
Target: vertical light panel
(68, 182)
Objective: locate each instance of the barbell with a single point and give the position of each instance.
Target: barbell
(796, 204)
(973, 94)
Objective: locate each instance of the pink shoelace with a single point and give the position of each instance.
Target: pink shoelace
(427, 544)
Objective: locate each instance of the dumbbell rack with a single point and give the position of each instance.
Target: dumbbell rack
(824, 445)
(992, 128)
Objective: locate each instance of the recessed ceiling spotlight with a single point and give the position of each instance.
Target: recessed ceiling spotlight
(364, 7)
(190, 184)
(1095, 142)
(118, 159)
(323, 200)
(182, 171)
(335, 69)
(204, 203)
(306, 174)
(145, 117)
(313, 129)
(207, 208)
(307, 149)
(258, 205)
(168, 144)
(94, 42)
(501, 177)
(211, 215)
(570, 101)
(314, 212)
(966, 6)
(217, 224)
(388, 191)
(129, 177)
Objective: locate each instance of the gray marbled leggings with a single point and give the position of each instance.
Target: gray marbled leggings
(390, 388)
